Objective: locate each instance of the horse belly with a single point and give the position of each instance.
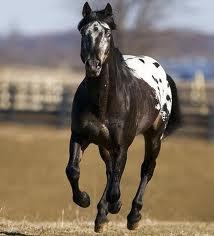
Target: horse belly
(148, 117)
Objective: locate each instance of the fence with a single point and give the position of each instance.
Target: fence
(198, 115)
(49, 99)
(37, 97)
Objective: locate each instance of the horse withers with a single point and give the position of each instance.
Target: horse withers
(119, 98)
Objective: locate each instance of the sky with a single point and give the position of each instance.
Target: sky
(40, 16)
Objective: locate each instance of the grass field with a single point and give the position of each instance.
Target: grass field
(85, 228)
(34, 186)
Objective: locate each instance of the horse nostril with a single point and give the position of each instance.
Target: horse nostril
(98, 64)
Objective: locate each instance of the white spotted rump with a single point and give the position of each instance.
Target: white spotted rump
(152, 73)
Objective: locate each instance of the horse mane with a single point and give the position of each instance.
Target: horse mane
(98, 16)
(119, 67)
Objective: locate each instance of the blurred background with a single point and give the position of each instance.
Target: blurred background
(40, 69)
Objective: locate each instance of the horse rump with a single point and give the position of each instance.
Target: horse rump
(175, 118)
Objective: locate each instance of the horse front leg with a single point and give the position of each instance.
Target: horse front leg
(152, 148)
(119, 157)
(73, 172)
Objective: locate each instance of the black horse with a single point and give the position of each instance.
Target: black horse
(120, 97)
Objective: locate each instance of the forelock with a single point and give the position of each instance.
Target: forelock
(96, 26)
(104, 25)
(99, 16)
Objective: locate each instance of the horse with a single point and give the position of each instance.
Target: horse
(121, 96)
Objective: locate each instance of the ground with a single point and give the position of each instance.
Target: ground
(34, 187)
(84, 228)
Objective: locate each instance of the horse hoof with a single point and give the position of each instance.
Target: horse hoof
(114, 208)
(132, 226)
(101, 227)
(133, 220)
(82, 199)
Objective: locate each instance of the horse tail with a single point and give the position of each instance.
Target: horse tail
(175, 119)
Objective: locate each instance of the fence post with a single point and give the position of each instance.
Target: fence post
(12, 94)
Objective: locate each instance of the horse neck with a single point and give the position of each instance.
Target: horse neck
(117, 72)
(109, 79)
(100, 88)
(104, 91)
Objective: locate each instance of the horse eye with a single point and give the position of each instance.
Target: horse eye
(108, 32)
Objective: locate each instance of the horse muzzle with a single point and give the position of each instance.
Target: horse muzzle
(93, 67)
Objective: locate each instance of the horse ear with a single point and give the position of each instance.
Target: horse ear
(108, 10)
(86, 11)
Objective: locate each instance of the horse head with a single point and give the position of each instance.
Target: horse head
(96, 30)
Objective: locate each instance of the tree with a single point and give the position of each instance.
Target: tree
(139, 17)
(136, 16)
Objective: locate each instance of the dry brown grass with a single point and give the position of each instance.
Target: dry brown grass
(34, 186)
(83, 228)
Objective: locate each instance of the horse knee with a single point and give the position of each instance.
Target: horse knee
(72, 173)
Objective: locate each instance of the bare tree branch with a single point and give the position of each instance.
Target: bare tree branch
(141, 14)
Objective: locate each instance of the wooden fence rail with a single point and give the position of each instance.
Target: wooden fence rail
(50, 101)
(27, 100)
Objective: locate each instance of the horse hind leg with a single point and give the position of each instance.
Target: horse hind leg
(102, 207)
(119, 157)
(152, 148)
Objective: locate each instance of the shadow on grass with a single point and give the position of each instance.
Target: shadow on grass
(13, 233)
